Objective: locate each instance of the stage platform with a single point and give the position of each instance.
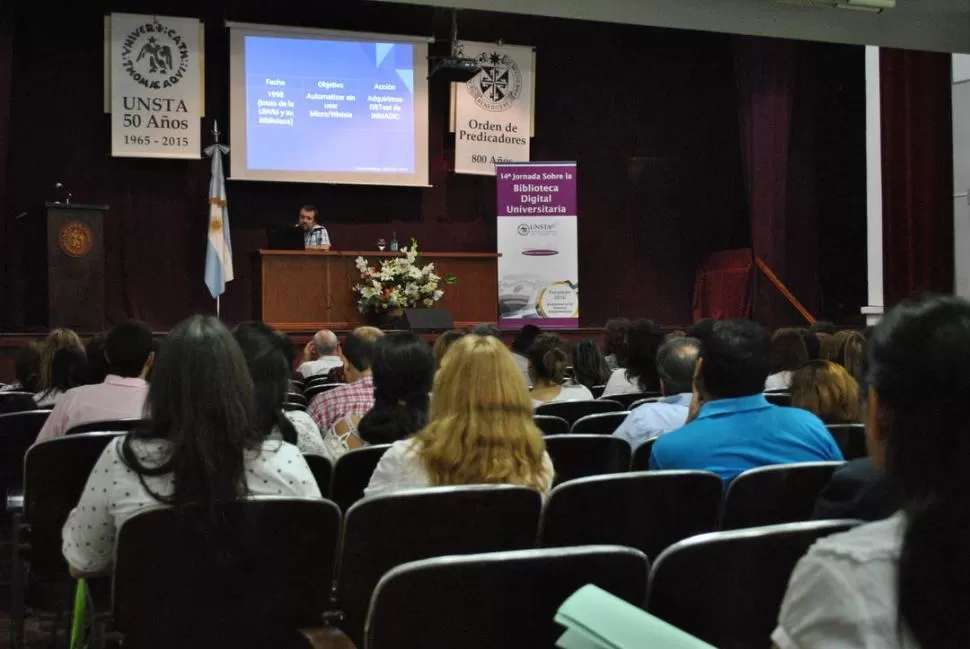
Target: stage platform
(11, 342)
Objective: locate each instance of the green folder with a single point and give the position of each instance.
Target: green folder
(595, 619)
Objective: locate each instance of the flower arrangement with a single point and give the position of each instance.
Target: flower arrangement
(399, 282)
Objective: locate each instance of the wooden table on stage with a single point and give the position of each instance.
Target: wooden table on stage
(313, 289)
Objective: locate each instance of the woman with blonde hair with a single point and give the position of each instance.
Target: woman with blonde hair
(479, 430)
(827, 390)
(56, 340)
(850, 350)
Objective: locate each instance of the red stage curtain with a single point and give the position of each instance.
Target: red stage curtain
(917, 173)
(722, 288)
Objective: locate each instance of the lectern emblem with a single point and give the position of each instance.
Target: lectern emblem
(76, 239)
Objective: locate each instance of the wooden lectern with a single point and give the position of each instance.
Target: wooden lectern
(63, 269)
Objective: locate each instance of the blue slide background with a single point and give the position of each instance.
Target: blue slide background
(330, 145)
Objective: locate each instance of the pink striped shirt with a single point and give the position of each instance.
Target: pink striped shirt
(117, 398)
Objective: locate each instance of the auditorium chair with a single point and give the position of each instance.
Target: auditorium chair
(726, 587)
(597, 391)
(627, 400)
(851, 439)
(11, 402)
(108, 425)
(779, 398)
(18, 430)
(55, 472)
(641, 456)
(322, 470)
(768, 495)
(352, 472)
(579, 456)
(177, 586)
(639, 402)
(314, 390)
(574, 410)
(383, 532)
(648, 511)
(501, 599)
(604, 423)
(296, 399)
(551, 425)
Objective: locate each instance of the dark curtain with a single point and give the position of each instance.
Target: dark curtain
(765, 75)
(6, 81)
(917, 173)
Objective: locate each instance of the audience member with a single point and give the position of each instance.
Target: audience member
(903, 581)
(828, 391)
(614, 342)
(520, 348)
(320, 355)
(357, 397)
(265, 352)
(480, 428)
(589, 366)
(676, 333)
(701, 329)
(812, 344)
(67, 369)
(640, 375)
(788, 354)
(547, 369)
(676, 360)
(443, 344)
(403, 374)
(826, 327)
(57, 339)
(732, 427)
(26, 369)
(202, 447)
(96, 369)
(487, 329)
(827, 346)
(130, 352)
(850, 351)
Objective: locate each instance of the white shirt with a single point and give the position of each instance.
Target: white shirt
(779, 381)
(322, 365)
(619, 384)
(114, 493)
(843, 592)
(568, 393)
(654, 419)
(400, 469)
(308, 437)
(117, 397)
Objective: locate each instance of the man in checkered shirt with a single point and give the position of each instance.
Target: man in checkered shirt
(315, 236)
(357, 397)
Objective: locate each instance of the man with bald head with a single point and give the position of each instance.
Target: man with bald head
(320, 355)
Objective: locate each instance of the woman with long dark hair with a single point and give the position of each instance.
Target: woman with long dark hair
(403, 372)
(589, 366)
(203, 446)
(643, 339)
(268, 353)
(548, 358)
(903, 582)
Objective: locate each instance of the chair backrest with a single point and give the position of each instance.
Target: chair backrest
(313, 390)
(778, 398)
(173, 589)
(18, 430)
(107, 426)
(352, 473)
(604, 423)
(551, 425)
(503, 599)
(573, 410)
(648, 511)
(641, 456)
(768, 495)
(851, 439)
(630, 398)
(726, 587)
(384, 532)
(322, 470)
(580, 456)
(15, 401)
(296, 397)
(639, 402)
(55, 472)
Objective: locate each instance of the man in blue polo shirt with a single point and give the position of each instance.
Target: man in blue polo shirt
(732, 427)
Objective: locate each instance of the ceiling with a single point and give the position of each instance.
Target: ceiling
(939, 25)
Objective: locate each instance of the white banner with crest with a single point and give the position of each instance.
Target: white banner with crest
(493, 111)
(156, 86)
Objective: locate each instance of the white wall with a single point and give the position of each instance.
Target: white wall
(961, 173)
(936, 25)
